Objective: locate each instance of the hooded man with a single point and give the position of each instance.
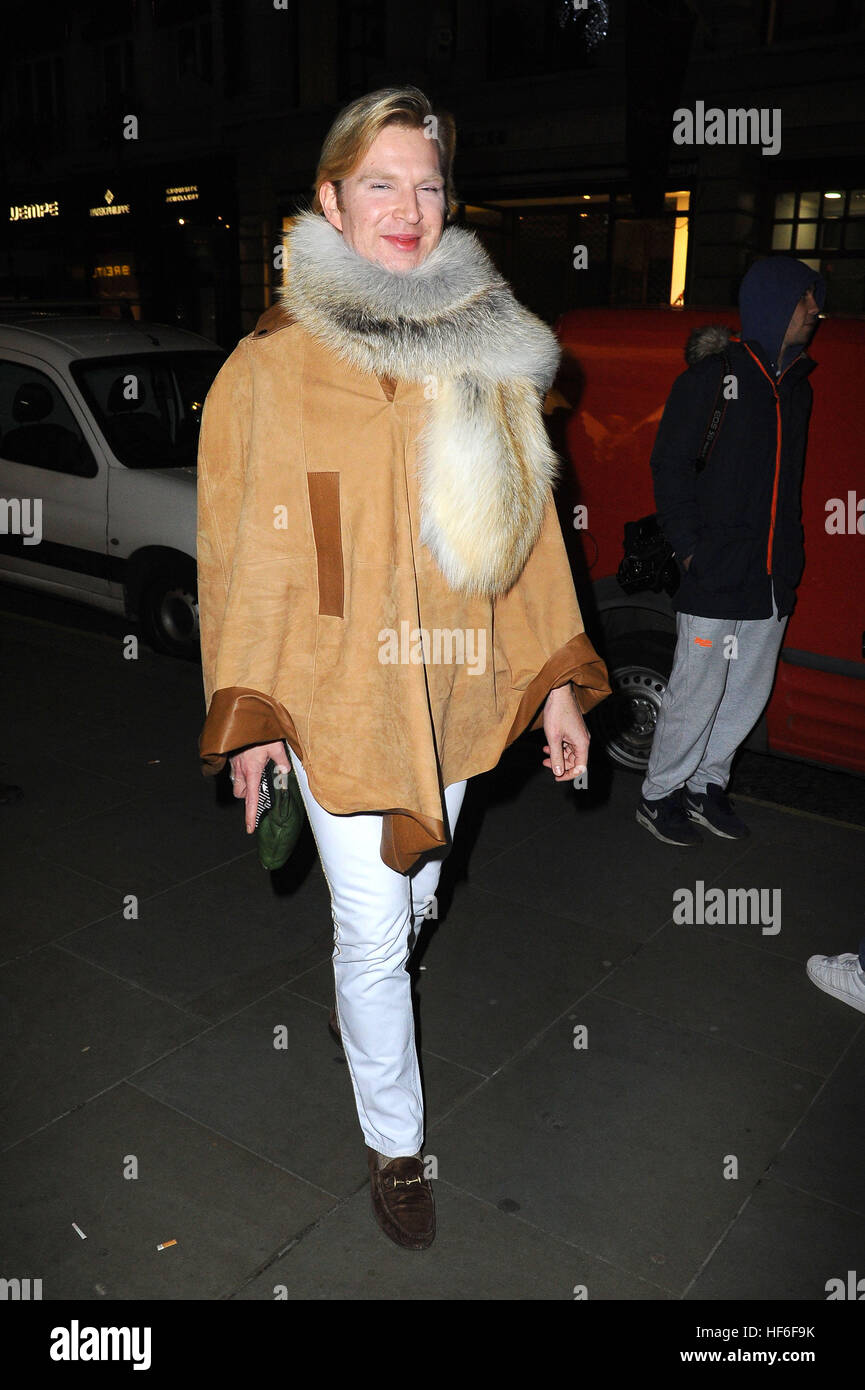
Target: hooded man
(735, 525)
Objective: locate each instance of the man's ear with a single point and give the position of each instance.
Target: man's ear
(329, 204)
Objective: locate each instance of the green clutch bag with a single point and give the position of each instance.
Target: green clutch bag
(280, 817)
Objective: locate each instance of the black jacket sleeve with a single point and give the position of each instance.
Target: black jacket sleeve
(680, 436)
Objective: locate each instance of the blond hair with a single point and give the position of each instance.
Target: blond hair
(358, 124)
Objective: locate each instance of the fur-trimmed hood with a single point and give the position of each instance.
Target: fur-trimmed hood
(453, 324)
(705, 341)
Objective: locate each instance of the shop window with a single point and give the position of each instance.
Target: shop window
(585, 250)
(650, 255)
(826, 229)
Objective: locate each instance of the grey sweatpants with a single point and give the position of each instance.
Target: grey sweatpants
(719, 685)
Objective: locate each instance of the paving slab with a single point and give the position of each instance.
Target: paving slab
(621, 1147)
(785, 1245)
(479, 1254)
(495, 974)
(818, 869)
(291, 1103)
(41, 906)
(228, 1211)
(216, 942)
(148, 843)
(70, 1030)
(735, 992)
(595, 863)
(505, 806)
(56, 794)
(825, 1154)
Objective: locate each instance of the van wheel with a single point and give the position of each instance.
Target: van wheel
(639, 664)
(168, 612)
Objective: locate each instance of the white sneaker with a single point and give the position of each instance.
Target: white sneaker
(841, 976)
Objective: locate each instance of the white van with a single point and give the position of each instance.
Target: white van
(99, 424)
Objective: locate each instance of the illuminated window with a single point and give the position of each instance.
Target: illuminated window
(826, 229)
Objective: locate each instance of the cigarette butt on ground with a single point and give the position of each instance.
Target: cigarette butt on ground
(79, 1230)
(165, 1244)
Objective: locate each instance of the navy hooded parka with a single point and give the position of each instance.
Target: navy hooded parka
(741, 517)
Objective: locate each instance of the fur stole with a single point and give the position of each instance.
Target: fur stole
(453, 324)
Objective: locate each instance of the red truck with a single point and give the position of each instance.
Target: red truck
(617, 369)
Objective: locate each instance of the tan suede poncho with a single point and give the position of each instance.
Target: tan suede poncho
(319, 600)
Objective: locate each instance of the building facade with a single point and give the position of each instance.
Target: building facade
(156, 150)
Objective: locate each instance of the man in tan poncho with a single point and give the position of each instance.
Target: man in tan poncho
(382, 578)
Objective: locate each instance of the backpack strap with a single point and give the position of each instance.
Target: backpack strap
(715, 421)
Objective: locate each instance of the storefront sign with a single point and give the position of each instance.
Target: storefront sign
(109, 272)
(23, 211)
(110, 209)
(185, 193)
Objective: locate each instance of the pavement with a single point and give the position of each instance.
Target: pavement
(621, 1106)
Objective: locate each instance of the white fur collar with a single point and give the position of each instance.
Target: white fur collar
(486, 461)
(451, 315)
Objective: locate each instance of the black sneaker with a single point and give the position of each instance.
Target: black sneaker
(713, 809)
(667, 820)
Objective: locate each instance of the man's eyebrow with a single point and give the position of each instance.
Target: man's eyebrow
(379, 174)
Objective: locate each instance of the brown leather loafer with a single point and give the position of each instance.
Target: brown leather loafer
(402, 1199)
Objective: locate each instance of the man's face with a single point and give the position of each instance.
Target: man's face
(803, 321)
(393, 203)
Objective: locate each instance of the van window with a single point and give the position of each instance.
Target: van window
(148, 406)
(37, 426)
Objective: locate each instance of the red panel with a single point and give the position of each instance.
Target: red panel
(817, 715)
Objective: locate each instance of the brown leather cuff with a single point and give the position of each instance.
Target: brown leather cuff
(577, 662)
(240, 718)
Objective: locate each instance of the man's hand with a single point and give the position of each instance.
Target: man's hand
(567, 745)
(246, 770)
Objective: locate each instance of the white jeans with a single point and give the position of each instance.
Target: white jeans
(375, 910)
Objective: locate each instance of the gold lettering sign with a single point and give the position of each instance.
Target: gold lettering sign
(23, 211)
(183, 193)
(107, 272)
(111, 208)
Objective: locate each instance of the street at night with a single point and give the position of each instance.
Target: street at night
(432, 634)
